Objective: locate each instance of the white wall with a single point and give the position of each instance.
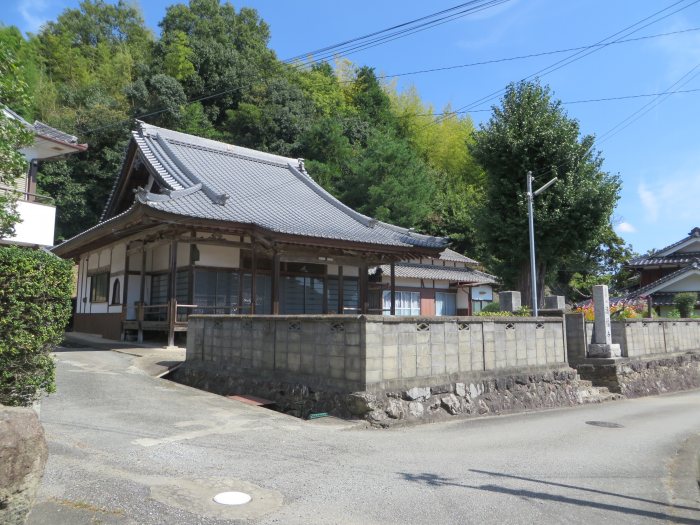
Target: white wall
(37, 224)
(462, 299)
(691, 283)
(692, 247)
(219, 256)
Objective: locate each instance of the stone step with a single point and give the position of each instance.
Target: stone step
(596, 394)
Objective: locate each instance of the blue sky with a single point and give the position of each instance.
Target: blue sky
(657, 156)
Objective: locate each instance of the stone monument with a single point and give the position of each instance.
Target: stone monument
(509, 301)
(554, 302)
(602, 345)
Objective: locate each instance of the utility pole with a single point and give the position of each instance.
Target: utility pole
(531, 219)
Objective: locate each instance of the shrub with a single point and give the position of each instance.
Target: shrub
(491, 307)
(685, 302)
(523, 311)
(673, 314)
(35, 291)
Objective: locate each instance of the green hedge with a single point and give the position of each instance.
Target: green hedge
(685, 303)
(35, 306)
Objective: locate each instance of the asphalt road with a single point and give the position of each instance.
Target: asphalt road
(127, 448)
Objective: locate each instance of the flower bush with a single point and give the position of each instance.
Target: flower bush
(633, 308)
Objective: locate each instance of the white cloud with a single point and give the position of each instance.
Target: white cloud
(625, 227)
(34, 13)
(649, 202)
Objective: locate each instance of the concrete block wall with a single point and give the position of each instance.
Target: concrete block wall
(319, 351)
(346, 353)
(414, 351)
(642, 337)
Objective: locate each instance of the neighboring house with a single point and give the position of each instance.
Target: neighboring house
(37, 212)
(449, 284)
(666, 272)
(198, 226)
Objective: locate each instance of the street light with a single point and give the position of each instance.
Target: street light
(531, 218)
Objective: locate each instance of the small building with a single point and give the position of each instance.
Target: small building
(450, 284)
(198, 226)
(668, 271)
(37, 212)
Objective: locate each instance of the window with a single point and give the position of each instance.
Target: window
(99, 287)
(301, 295)
(263, 293)
(445, 303)
(216, 291)
(351, 295)
(407, 303)
(116, 292)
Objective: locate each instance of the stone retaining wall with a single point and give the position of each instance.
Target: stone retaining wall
(644, 376)
(481, 394)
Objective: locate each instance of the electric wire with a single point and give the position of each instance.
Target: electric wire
(601, 44)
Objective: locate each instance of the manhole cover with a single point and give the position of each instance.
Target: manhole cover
(604, 424)
(232, 498)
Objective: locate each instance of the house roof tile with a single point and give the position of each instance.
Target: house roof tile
(251, 187)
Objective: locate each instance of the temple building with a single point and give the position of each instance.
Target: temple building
(198, 226)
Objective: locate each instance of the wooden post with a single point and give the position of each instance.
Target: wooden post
(125, 305)
(142, 292)
(393, 289)
(276, 283)
(341, 290)
(253, 293)
(364, 305)
(172, 299)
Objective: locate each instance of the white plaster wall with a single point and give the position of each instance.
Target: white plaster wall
(93, 261)
(692, 247)
(37, 224)
(219, 256)
(118, 257)
(351, 271)
(691, 283)
(105, 258)
(440, 285)
(183, 254)
(332, 269)
(159, 258)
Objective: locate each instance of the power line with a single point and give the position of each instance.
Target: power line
(447, 113)
(569, 102)
(534, 55)
(474, 6)
(369, 35)
(601, 44)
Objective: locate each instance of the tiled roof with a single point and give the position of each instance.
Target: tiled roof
(673, 259)
(45, 130)
(645, 290)
(439, 273)
(451, 255)
(212, 180)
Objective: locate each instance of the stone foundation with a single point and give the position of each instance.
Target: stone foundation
(637, 377)
(480, 395)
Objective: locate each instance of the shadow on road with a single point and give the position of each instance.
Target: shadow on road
(436, 480)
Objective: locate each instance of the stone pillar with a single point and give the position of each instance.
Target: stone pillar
(554, 302)
(509, 301)
(602, 345)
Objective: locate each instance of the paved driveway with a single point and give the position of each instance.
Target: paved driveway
(128, 448)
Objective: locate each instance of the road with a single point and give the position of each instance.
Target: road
(128, 448)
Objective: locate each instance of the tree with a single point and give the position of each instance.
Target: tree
(531, 132)
(13, 136)
(388, 181)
